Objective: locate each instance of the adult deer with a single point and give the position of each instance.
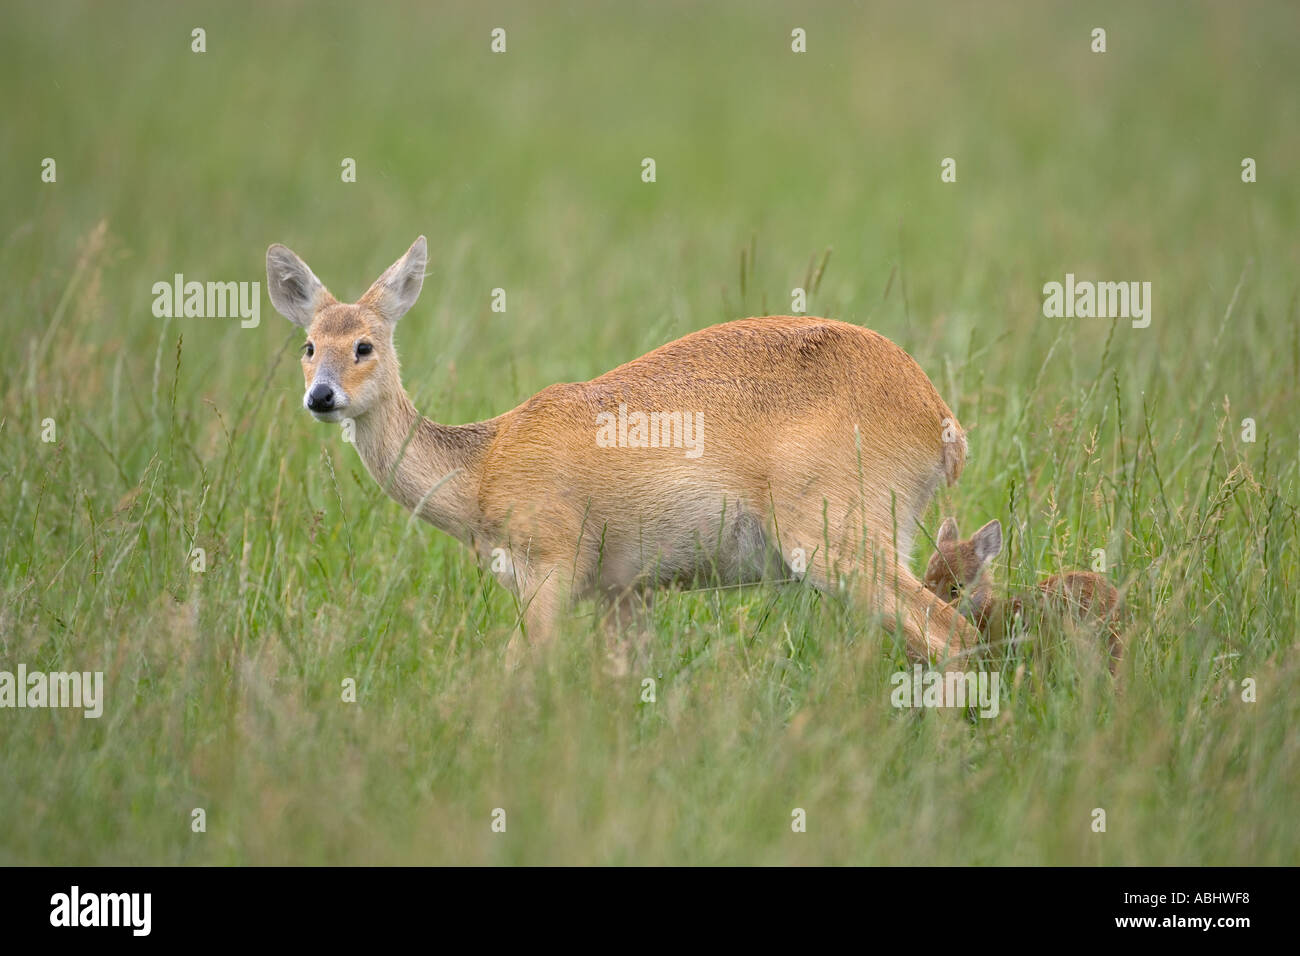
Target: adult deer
(756, 449)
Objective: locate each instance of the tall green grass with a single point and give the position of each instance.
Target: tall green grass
(223, 687)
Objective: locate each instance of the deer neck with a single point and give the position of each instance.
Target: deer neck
(429, 469)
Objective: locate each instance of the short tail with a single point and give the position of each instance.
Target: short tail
(954, 450)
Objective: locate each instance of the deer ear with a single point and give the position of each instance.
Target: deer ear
(396, 290)
(295, 291)
(947, 531)
(988, 541)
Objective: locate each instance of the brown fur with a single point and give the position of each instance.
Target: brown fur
(810, 427)
(959, 572)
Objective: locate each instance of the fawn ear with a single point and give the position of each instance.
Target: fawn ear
(295, 291)
(396, 290)
(947, 531)
(988, 541)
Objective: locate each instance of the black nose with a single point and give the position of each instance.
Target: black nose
(320, 398)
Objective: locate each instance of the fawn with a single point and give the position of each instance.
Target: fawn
(959, 573)
(822, 438)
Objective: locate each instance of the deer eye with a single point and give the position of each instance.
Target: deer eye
(364, 348)
(309, 350)
(954, 592)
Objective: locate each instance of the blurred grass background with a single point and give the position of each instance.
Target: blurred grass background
(524, 171)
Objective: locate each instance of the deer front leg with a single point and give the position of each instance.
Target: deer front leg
(628, 628)
(541, 605)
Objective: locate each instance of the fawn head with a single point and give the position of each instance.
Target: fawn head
(348, 360)
(960, 568)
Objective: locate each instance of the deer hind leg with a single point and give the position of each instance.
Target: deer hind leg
(934, 630)
(879, 582)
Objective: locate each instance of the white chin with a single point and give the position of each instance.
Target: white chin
(334, 415)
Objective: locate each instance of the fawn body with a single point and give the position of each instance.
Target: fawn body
(816, 435)
(959, 573)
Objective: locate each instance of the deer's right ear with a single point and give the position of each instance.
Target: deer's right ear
(947, 531)
(295, 291)
(988, 541)
(394, 292)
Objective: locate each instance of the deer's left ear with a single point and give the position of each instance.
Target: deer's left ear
(396, 290)
(947, 531)
(295, 291)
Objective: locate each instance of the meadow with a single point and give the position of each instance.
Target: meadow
(127, 440)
